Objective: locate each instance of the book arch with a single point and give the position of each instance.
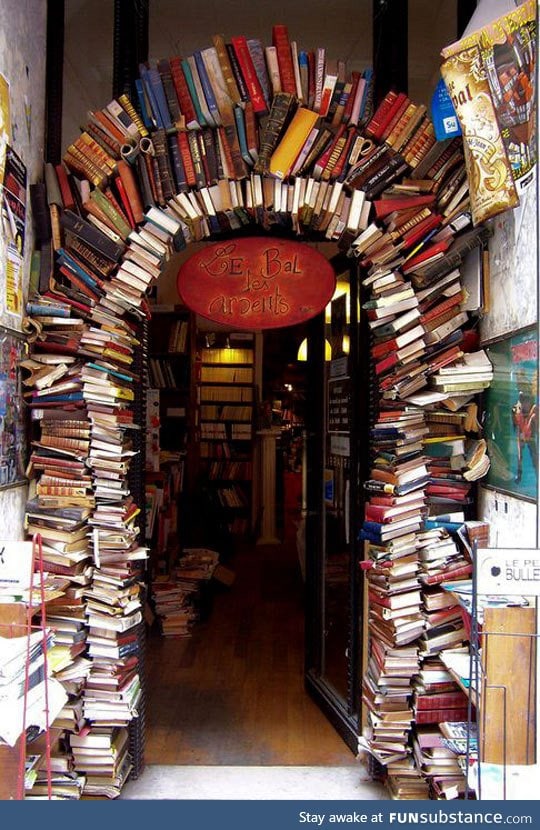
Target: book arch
(229, 142)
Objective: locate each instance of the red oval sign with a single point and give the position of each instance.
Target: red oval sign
(256, 283)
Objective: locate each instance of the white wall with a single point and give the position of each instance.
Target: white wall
(22, 63)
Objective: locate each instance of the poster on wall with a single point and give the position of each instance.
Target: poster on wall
(5, 121)
(13, 220)
(12, 420)
(511, 407)
(491, 79)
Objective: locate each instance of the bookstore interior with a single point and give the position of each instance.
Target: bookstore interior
(293, 523)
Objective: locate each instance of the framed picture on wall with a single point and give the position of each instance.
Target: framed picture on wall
(12, 414)
(511, 414)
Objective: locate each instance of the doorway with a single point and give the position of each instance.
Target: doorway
(234, 693)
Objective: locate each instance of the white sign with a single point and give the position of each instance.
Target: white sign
(16, 566)
(508, 571)
(340, 445)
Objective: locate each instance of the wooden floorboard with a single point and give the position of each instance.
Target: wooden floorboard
(233, 693)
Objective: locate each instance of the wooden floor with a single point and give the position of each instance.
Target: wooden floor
(233, 694)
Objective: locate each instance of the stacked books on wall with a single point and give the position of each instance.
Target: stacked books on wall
(426, 450)
(81, 391)
(241, 133)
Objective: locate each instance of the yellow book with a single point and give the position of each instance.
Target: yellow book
(292, 142)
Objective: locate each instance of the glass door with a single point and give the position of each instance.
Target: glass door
(333, 609)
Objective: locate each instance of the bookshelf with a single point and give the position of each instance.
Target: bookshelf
(167, 420)
(225, 397)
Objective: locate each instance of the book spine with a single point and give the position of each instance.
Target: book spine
(238, 77)
(159, 138)
(93, 237)
(226, 69)
(149, 89)
(182, 92)
(377, 123)
(176, 163)
(281, 106)
(258, 59)
(249, 74)
(164, 70)
(127, 104)
(303, 69)
(207, 88)
(195, 153)
(320, 66)
(187, 161)
(281, 42)
(272, 65)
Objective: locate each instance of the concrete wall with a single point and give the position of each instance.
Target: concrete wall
(22, 63)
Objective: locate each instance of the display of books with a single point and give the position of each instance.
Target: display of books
(285, 139)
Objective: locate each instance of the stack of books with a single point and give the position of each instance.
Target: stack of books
(425, 441)
(386, 691)
(174, 606)
(438, 764)
(102, 755)
(406, 781)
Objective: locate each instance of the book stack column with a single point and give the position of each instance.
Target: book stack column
(426, 451)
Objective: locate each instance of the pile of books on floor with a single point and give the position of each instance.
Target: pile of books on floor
(177, 597)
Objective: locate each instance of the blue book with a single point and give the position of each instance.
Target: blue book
(113, 372)
(207, 88)
(67, 398)
(242, 139)
(177, 164)
(433, 524)
(368, 77)
(193, 93)
(65, 259)
(47, 310)
(150, 96)
(143, 104)
(156, 83)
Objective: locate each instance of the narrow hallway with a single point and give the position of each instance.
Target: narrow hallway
(233, 694)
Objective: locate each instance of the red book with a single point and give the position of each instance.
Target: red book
(311, 78)
(383, 114)
(415, 235)
(385, 206)
(131, 189)
(187, 160)
(441, 308)
(445, 358)
(182, 92)
(344, 155)
(397, 111)
(82, 307)
(80, 285)
(280, 39)
(386, 363)
(323, 160)
(65, 187)
(445, 700)
(425, 255)
(445, 576)
(119, 184)
(249, 74)
(441, 715)
(384, 515)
